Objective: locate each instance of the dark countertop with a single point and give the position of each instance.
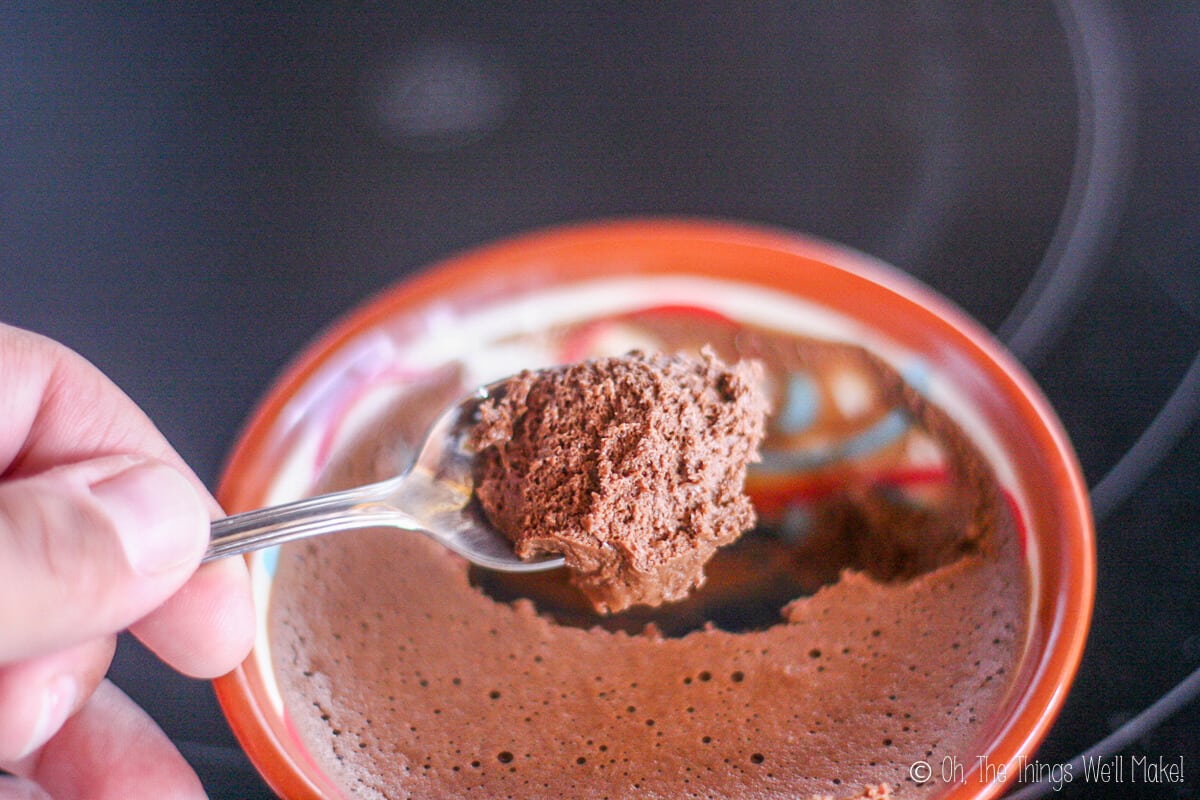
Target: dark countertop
(188, 196)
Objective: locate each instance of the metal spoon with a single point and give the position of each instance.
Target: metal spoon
(433, 497)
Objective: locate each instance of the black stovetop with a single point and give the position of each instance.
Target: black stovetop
(188, 196)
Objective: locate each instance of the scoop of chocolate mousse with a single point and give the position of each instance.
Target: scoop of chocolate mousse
(632, 467)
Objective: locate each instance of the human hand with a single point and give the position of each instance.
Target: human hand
(102, 527)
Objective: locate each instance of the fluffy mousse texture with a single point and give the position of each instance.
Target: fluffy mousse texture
(632, 467)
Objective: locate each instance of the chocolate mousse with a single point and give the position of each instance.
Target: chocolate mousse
(874, 617)
(632, 467)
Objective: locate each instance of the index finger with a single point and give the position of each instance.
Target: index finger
(60, 409)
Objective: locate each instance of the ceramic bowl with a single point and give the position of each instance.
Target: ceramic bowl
(605, 268)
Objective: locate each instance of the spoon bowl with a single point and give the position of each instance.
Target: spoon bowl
(434, 497)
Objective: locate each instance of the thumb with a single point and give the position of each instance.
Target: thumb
(88, 549)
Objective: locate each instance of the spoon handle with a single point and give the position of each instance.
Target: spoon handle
(360, 507)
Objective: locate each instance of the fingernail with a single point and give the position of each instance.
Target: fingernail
(157, 514)
(58, 701)
(14, 788)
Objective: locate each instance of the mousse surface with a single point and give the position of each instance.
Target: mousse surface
(873, 618)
